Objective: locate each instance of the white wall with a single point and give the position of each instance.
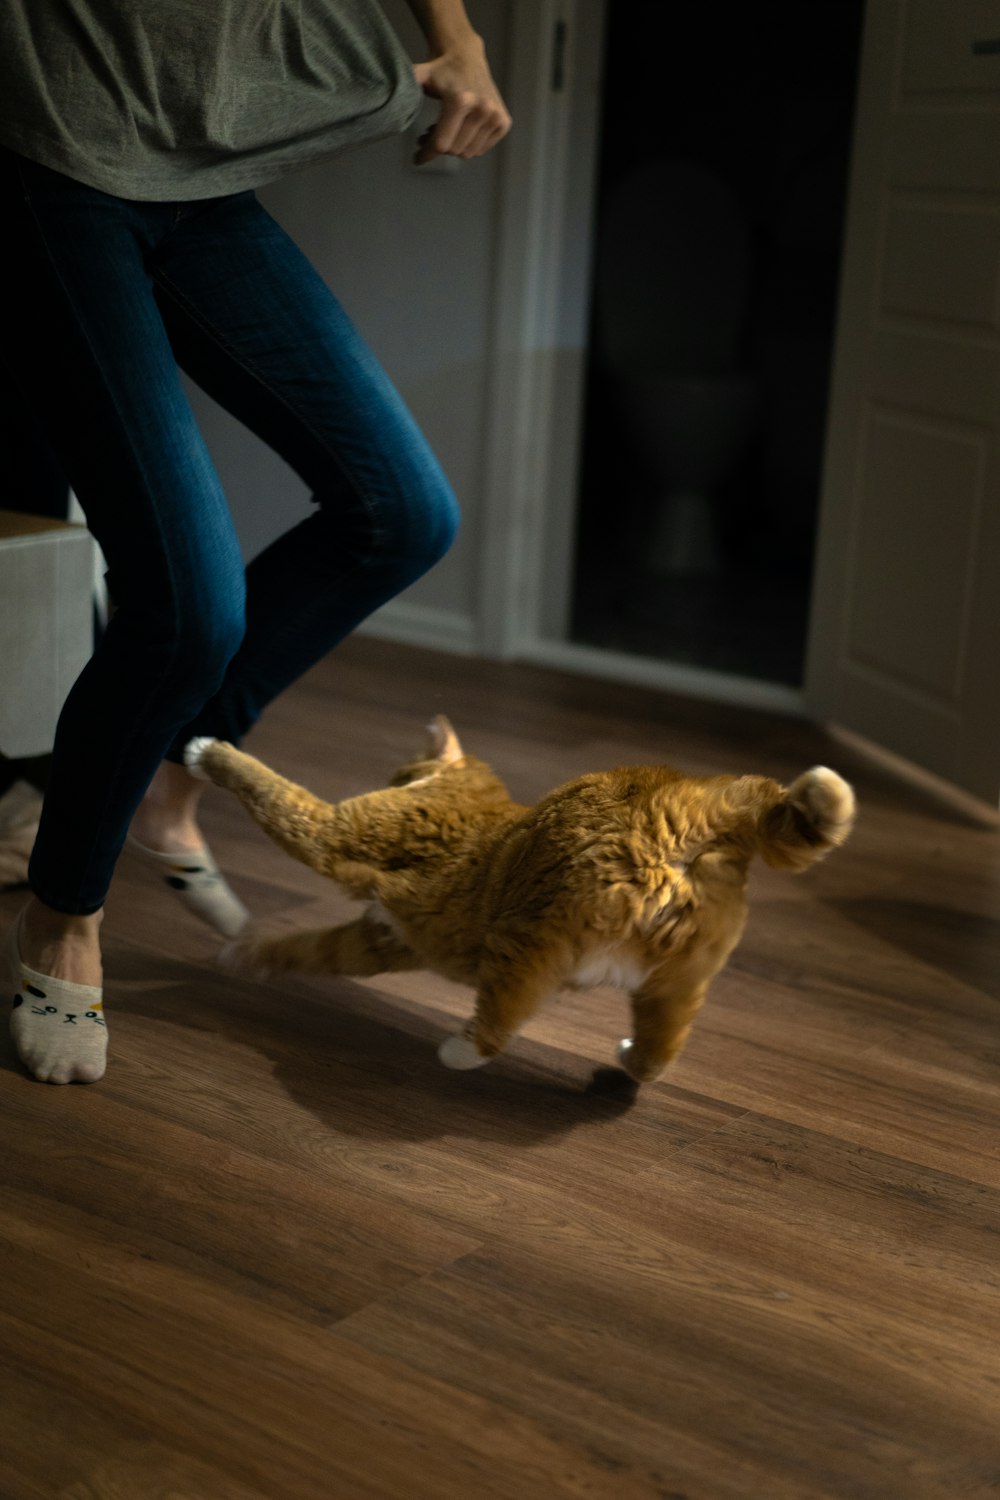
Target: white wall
(411, 255)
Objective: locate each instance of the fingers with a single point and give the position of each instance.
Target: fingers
(464, 129)
(473, 116)
(468, 126)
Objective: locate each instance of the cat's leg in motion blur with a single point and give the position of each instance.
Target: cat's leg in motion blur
(662, 1013)
(363, 947)
(292, 816)
(346, 841)
(503, 1003)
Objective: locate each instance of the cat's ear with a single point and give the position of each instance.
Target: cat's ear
(442, 742)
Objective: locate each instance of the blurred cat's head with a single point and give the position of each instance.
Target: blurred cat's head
(442, 750)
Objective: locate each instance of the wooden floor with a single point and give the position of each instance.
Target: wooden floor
(280, 1252)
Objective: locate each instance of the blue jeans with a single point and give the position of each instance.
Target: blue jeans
(108, 298)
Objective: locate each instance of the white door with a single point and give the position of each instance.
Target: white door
(905, 634)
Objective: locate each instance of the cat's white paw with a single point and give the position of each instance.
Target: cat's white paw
(193, 752)
(459, 1053)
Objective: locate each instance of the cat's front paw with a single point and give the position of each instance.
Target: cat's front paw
(194, 753)
(460, 1053)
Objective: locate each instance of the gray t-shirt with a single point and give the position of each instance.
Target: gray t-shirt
(177, 99)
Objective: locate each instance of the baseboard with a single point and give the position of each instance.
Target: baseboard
(446, 630)
(423, 625)
(665, 676)
(932, 785)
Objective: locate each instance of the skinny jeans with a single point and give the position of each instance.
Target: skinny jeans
(108, 299)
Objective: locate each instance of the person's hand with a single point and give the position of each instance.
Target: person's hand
(473, 116)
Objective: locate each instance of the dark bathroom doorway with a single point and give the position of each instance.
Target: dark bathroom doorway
(764, 98)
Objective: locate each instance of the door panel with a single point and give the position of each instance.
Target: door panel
(922, 239)
(947, 47)
(905, 634)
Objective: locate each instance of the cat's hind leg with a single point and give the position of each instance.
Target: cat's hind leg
(662, 1012)
(363, 947)
(503, 1004)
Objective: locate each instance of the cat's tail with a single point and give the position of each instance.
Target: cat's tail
(806, 820)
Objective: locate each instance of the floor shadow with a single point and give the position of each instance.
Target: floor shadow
(366, 1064)
(964, 945)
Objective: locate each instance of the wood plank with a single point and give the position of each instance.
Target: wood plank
(280, 1252)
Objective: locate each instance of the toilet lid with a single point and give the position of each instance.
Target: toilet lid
(672, 272)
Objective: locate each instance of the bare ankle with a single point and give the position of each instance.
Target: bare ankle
(63, 945)
(166, 819)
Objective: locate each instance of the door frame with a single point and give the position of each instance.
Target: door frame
(539, 340)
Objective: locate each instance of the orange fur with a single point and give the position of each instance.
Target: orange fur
(635, 875)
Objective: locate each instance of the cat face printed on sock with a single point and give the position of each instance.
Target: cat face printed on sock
(635, 876)
(57, 1026)
(180, 882)
(69, 1018)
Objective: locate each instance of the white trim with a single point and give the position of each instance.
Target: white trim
(423, 625)
(456, 635)
(666, 676)
(523, 404)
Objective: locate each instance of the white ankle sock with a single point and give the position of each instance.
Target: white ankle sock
(58, 1027)
(198, 882)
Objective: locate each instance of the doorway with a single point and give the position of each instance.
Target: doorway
(761, 108)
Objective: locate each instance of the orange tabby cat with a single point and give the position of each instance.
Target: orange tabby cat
(633, 877)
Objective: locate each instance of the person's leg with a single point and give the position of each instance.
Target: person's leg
(85, 342)
(256, 327)
(300, 377)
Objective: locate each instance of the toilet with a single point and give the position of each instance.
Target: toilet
(671, 295)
